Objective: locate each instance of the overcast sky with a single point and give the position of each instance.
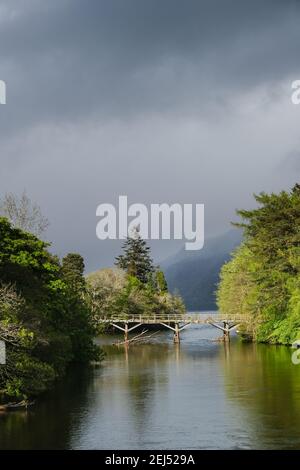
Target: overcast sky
(160, 100)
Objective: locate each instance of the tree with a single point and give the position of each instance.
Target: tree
(72, 272)
(78, 316)
(23, 374)
(113, 292)
(160, 281)
(104, 290)
(136, 260)
(135, 287)
(43, 317)
(263, 277)
(23, 213)
(26, 262)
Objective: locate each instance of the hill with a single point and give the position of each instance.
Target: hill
(195, 274)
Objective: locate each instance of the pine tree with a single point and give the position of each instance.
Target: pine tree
(263, 278)
(161, 282)
(136, 259)
(78, 316)
(72, 272)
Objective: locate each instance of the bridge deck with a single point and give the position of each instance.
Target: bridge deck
(160, 318)
(176, 323)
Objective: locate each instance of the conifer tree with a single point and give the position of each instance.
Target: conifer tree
(262, 280)
(72, 272)
(161, 282)
(136, 259)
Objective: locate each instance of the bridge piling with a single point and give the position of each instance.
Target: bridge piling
(175, 322)
(226, 332)
(176, 333)
(126, 331)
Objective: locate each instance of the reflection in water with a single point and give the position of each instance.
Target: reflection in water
(49, 423)
(199, 394)
(264, 382)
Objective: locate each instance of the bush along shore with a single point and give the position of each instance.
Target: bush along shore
(262, 279)
(133, 287)
(50, 311)
(45, 320)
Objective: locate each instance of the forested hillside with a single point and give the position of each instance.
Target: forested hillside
(262, 280)
(44, 319)
(195, 275)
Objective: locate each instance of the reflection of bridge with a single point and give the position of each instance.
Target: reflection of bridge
(176, 323)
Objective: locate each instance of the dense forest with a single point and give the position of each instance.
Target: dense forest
(195, 274)
(44, 319)
(134, 287)
(50, 311)
(262, 279)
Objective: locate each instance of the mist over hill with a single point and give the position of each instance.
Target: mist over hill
(195, 274)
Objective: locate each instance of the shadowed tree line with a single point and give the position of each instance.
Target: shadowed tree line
(262, 280)
(49, 309)
(44, 317)
(134, 287)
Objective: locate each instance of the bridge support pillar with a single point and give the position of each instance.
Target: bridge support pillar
(176, 333)
(226, 332)
(126, 331)
(226, 328)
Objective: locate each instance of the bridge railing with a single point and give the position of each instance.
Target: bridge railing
(171, 318)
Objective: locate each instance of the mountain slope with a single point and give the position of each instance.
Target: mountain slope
(195, 274)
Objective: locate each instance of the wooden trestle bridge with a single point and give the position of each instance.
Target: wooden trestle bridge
(176, 323)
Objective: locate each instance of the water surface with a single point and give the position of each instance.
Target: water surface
(197, 395)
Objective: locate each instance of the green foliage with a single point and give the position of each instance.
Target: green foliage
(136, 260)
(105, 291)
(78, 317)
(29, 376)
(113, 292)
(72, 272)
(160, 281)
(262, 280)
(44, 318)
(145, 291)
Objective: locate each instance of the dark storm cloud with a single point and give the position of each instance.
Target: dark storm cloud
(164, 101)
(291, 162)
(66, 59)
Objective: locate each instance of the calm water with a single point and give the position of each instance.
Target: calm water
(201, 395)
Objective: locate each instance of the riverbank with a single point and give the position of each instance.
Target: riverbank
(261, 281)
(199, 394)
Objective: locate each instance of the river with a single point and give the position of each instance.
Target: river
(200, 394)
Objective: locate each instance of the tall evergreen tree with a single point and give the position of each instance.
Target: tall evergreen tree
(160, 281)
(136, 259)
(78, 317)
(263, 278)
(44, 319)
(72, 271)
